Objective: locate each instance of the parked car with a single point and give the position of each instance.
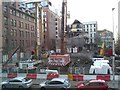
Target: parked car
(56, 83)
(92, 85)
(17, 82)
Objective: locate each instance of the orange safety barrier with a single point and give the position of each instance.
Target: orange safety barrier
(103, 77)
(12, 75)
(31, 76)
(51, 76)
(77, 77)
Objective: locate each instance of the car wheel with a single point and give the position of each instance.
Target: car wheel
(43, 88)
(62, 89)
(94, 72)
(3, 86)
(20, 87)
(108, 72)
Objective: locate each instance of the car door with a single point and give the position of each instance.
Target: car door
(15, 83)
(93, 86)
(55, 84)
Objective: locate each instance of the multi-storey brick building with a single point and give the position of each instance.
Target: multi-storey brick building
(52, 29)
(18, 30)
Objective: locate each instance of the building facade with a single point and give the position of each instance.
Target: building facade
(91, 28)
(105, 37)
(76, 37)
(52, 29)
(18, 31)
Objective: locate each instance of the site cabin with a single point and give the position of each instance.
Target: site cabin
(100, 67)
(59, 60)
(29, 64)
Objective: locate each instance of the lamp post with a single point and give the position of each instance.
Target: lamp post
(113, 47)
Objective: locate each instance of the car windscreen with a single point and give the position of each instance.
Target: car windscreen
(26, 79)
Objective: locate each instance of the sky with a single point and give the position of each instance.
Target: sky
(92, 10)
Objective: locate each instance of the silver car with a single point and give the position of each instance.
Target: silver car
(17, 82)
(57, 83)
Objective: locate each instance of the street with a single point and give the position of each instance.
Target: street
(113, 85)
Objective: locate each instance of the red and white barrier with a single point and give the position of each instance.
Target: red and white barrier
(103, 77)
(32, 76)
(50, 76)
(12, 75)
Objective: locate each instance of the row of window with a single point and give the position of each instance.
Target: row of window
(26, 34)
(20, 14)
(21, 24)
(91, 30)
(89, 25)
(14, 32)
(84, 26)
(23, 43)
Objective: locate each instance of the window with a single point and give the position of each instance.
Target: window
(11, 11)
(5, 8)
(15, 81)
(22, 34)
(14, 12)
(55, 82)
(12, 43)
(28, 27)
(15, 32)
(55, 19)
(22, 24)
(12, 32)
(22, 42)
(94, 84)
(56, 23)
(15, 43)
(5, 20)
(26, 33)
(14, 23)
(87, 26)
(17, 13)
(19, 24)
(25, 25)
(5, 31)
(73, 26)
(56, 28)
(23, 16)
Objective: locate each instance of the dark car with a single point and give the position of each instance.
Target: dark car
(92, 85)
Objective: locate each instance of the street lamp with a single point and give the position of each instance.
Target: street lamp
(113, 48)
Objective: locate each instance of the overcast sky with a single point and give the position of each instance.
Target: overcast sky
(92, 10)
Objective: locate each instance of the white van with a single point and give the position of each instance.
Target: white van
(100, 67)
(47, 71)
(51, 72)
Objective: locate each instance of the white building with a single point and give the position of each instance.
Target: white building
(90, 28)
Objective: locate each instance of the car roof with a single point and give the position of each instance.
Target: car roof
(18, 78)
(99, 80)
(58, 79)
